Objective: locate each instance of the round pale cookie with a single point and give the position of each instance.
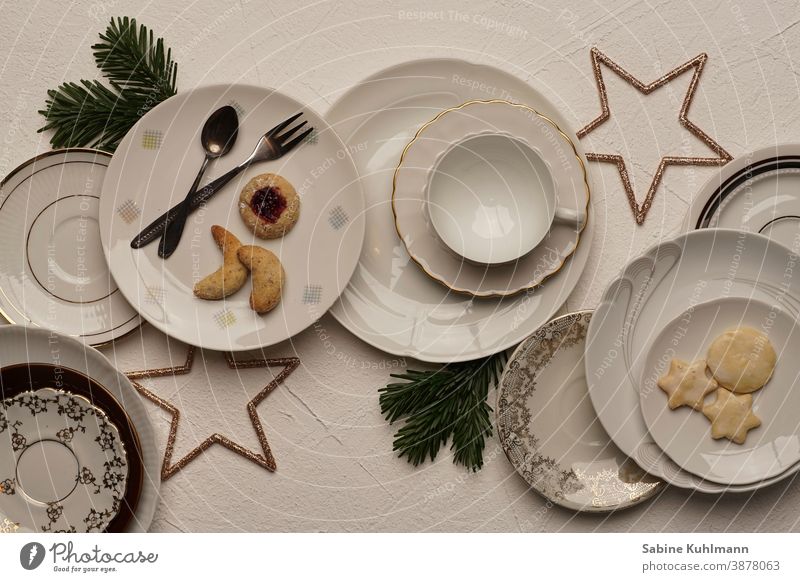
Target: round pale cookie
(269, 205)
(741, 359)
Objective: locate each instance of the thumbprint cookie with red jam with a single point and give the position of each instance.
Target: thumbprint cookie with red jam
(269, 205)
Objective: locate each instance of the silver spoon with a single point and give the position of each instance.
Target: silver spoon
(218, 136)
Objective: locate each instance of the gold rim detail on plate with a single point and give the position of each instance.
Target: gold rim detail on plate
(25, 318)
(558, 129)
(543, 473)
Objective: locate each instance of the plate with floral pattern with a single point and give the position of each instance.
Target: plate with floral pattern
(67, 469)
(550, 432)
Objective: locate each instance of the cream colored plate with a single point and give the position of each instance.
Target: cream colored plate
(153, 169)
(758, 192)
(550, 432)
(390, 303)
(53, 273)
(564, 168)
(685, 434)
(651, 291)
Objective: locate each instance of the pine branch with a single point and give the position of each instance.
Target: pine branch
(141, 74)
(439, 405)
(134, 61)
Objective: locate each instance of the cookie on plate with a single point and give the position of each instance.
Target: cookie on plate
(269, 205)
(267, 274)
(687, 384)
(742, 359)
(731, 416)
(231, 276)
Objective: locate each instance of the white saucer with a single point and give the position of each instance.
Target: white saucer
(560, 166)
(550, 432)
(53, 273)
(154, 167)
(685, 434)
(651, 291)
(390, 302)
(757, 192)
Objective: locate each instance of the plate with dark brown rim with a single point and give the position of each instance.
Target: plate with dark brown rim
(81, 450)
(756, 192)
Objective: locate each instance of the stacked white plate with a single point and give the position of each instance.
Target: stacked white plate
(392, 303)
(77, 449)
(670, 303)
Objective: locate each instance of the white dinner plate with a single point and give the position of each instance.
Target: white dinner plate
(757, 192)
(652, 290)
(685, 434)
(550, 432)
(152, 171)
(561, 170)
(52, 270)
(20, 346)
(390, 302)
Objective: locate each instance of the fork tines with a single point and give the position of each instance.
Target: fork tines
(281, 139)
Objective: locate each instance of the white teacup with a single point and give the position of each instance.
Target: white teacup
(491, 199)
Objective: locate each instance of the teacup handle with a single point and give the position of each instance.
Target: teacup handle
(570, 216)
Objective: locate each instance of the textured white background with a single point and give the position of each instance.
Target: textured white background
(335, 466)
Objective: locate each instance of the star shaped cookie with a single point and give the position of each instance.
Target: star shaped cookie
(687, 384)
(731, 416)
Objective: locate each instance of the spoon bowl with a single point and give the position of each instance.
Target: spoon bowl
(218, 136)
(220, 132)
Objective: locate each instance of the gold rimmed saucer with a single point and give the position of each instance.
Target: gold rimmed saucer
(550, 432)
(52, 270)
(561, 166)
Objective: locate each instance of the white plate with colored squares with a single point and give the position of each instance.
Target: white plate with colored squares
(153, 169)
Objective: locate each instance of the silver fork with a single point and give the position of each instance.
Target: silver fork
(271, 146)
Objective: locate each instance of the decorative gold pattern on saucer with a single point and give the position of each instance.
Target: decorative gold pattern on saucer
(601, 487)
(533, 112)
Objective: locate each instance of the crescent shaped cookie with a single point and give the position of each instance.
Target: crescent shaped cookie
(268, 277)
(269, 206)
(687, 384)
(742, 359)
(731, 416)
(231, 276)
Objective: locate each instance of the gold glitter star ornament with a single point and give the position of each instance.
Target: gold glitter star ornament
(696, 64)
(263, 459)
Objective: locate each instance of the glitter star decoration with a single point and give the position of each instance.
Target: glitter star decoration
(722, 156)
(264, 459)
